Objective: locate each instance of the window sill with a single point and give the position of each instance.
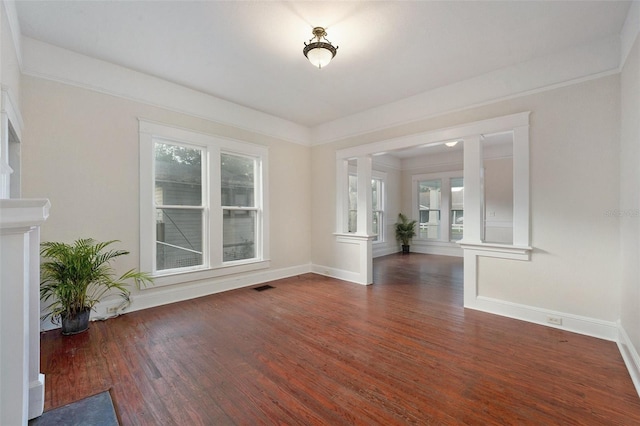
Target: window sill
(161, 280)
(506, 251)
(347, 237)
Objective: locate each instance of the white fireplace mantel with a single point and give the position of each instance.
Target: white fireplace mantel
(21, 384)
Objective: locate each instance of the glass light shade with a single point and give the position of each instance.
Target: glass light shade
(319, 57)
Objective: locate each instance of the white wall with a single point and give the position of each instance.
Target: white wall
(574, 162)
(81, 151)
(629, 210)
(9, 64)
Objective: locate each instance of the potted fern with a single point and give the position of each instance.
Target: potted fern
(75, 277)
(405, 231)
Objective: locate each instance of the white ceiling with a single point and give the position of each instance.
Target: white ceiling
(250, 53)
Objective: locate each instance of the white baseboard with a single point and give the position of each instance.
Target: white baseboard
(36, 397)
(577, 324)
(607, 330)
(384, 250)
(152, 297)
(630, 356)
(340, 274)
(441, 249)
(170, 294)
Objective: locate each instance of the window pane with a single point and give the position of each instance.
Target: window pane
(429, 196)
(353, 203)
(377, 220)
(376, 194)
(178, 175)
(353, 221)
(178, 238)
(457, 208)
(239, 235)
(238, 180)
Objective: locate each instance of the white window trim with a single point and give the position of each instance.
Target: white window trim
(470, 134)
(445, 204)
(382, 226)
(375, 175)
(149, 131)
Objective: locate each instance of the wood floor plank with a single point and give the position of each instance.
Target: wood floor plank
(318, 351)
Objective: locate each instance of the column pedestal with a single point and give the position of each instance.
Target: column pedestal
(21, 383)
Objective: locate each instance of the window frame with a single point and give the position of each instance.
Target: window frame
(213, 147)
(257, 208)
(381, 177)
(375, 176)
(452, 210)
(419, 211)
(203, 207)
(445, 204)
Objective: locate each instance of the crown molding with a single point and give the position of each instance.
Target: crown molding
(587, 62)
(562, 69)
(43, 60)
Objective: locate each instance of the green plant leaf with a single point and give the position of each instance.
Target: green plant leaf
(75, 277)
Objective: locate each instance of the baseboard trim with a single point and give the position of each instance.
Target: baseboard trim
(153, 297)
(36, 397)
(384, 250)
(340, 274)
(438, 249)
(171, 294)
(607, 330)
(630, 356)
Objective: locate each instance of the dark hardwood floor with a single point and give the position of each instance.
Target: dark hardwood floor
(318, 351)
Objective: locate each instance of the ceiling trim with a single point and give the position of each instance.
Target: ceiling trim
(601, 58)
(588, 62)
(483, 127)
(43, 60)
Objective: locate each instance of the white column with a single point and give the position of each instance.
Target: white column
(521, 186)
(5, 169)
(365, 218)
(473, 196)
(473, 214)
(21, 384)
(14, 323)
(36, 379)
(342, 194)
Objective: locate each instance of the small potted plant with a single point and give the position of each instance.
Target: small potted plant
(77, 276)
(405, 231)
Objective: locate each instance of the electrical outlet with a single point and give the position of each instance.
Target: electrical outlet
(554, 320)
(112, 310)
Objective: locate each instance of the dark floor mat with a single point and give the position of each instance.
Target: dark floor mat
(96, 410)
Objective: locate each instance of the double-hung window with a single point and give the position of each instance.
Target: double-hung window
(377, 205)
(429, 199)
(203, 205)
(457, 209)
(180, 198)
(438, 202)
(240, 212)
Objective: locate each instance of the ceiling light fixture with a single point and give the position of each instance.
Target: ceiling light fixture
(319, 51)
(451, 144)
